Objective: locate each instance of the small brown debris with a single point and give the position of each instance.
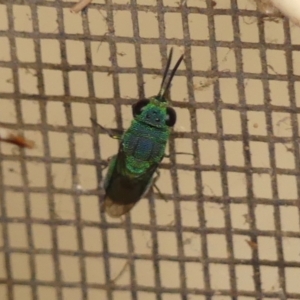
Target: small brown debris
(80, 6)
(15, 139)
(252, 245)
(20, 141)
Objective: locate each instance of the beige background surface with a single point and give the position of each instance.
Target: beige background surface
(230, 227)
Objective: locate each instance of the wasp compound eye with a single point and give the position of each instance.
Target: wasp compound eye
(138, 107)
(170, 117)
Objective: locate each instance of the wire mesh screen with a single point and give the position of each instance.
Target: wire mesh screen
(227, 223)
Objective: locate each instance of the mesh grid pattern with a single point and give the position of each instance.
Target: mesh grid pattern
(230, 227)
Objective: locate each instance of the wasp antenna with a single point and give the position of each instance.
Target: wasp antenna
(165, 73)
(172, 75)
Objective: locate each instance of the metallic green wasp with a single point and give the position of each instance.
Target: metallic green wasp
(142, 148)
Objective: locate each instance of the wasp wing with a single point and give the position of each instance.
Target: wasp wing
(122, 190)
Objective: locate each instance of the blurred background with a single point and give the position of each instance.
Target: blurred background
(227, 224)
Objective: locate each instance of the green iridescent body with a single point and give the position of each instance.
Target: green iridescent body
(143, 143)
(142, 147)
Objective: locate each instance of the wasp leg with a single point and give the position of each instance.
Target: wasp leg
(152, 185)
(185, 153)
(156, 187)
(104, 164)
(113, 133)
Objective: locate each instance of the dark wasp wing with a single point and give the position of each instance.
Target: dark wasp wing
(122, 190)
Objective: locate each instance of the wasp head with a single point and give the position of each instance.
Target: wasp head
(154, 113)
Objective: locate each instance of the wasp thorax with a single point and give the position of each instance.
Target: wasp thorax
(154, 115)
